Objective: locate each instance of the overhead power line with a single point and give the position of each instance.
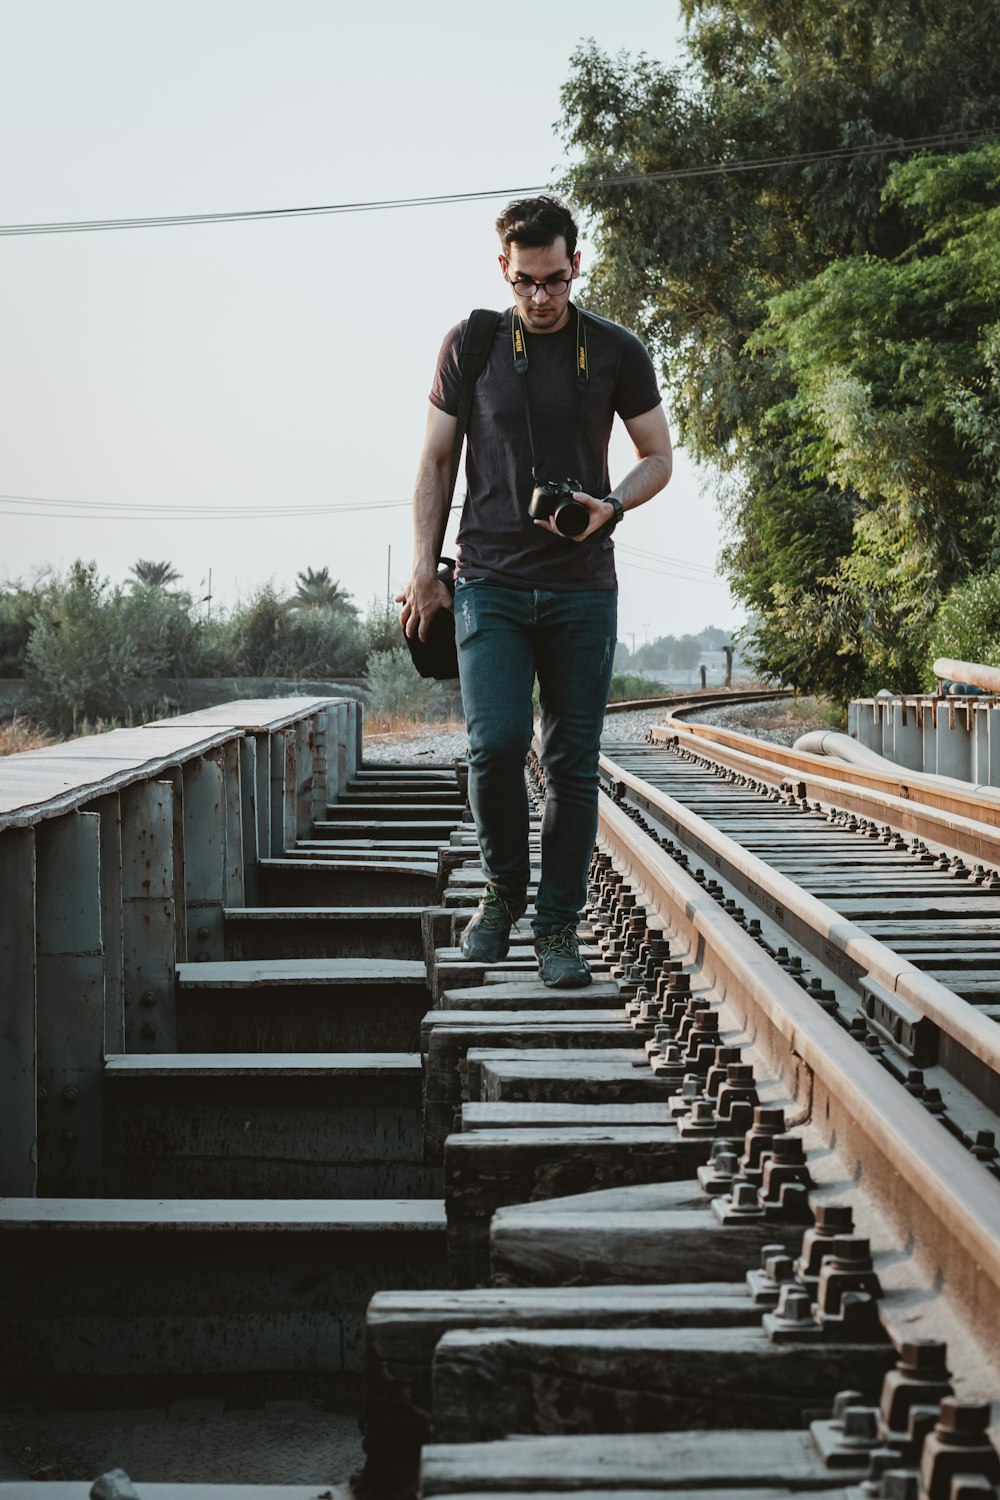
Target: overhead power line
(434, 200)
(659, 557)
(666, 573)
(49, 508)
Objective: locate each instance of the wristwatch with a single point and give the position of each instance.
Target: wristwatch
(617, 507)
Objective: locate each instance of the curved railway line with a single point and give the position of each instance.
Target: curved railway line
(725, 1223)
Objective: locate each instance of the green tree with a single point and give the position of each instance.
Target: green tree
(268, 638)
(895, 364)
(317, 590)
(153, 575)
(686, 653)
(94, 649)
(17, 613)
(967, 627)
(694, 260)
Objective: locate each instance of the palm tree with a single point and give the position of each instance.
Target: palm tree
(154, 575)
(316, 589)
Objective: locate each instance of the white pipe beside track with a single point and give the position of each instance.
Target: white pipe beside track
(842, 747)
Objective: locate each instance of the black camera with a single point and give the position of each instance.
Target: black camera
(554, 499)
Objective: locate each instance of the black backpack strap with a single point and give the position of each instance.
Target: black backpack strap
(477, 341)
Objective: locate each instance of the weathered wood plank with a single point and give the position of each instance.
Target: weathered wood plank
(677, 1463)
(403, 1329)
(490, 1382)
(491, 1169)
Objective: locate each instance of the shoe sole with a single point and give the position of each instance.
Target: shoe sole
(477, 958)
(569, 983)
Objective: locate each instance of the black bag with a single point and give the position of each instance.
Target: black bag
(438, 655)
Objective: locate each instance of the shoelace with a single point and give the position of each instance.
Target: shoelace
(496, 912)
(563, 942)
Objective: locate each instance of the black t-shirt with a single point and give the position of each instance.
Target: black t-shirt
(497, 538)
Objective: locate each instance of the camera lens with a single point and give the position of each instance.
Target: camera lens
(571, 518)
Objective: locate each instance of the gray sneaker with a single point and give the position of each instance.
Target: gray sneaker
(559, 961)
(487, 937)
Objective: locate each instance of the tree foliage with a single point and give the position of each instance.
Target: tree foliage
(94, 649)
(90, 650)
(774, 299)
(967, 627)
(153, 575)
(315, 589)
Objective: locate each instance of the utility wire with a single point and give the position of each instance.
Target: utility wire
(47, 507)
(433, 200)
(44, 507)
(680, 577)
(677, 562)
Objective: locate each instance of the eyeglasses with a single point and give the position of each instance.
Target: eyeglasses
(527, 286)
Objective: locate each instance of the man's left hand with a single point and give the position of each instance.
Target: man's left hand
(600, 514)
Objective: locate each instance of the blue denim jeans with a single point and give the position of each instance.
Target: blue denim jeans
(505, 638)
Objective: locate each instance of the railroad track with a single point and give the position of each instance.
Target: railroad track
(649, 1229)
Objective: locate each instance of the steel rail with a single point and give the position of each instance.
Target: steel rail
(934, 1210)
(911, 794)
(692, 702)
(841, 944)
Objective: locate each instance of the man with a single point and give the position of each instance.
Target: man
(529, 600)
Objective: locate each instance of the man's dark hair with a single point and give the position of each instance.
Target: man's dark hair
(536, 221)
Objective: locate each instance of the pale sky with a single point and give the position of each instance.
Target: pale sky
(283, 363)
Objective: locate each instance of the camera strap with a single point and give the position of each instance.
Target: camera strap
(581, 362)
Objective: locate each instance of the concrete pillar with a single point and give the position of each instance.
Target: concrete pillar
(283, 786)
(980, 760)
(928, 733)
(907, 743)
(70, 1009)
(18, 1084)
(304, 733)
(345, 734)
(868, 725)
(954, 740)
(235, 891)
(355, 735)
(253, 833)
(262, 757)
(320, 734)
(205, 855)
(990, 762)
(149, 916)
(109, 811)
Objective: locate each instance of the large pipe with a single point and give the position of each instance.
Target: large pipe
(974, 673)
(842, 747)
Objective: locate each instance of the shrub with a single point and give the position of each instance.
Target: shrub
(967, 626)
(395, 688)
(382, 631)
(626, 685)
(325, 642)
(268, 638)
(94, 649)
(17, 608)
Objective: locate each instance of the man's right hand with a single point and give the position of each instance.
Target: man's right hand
(423, 596)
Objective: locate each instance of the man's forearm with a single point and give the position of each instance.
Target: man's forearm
(649, 476)
(430, 513)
